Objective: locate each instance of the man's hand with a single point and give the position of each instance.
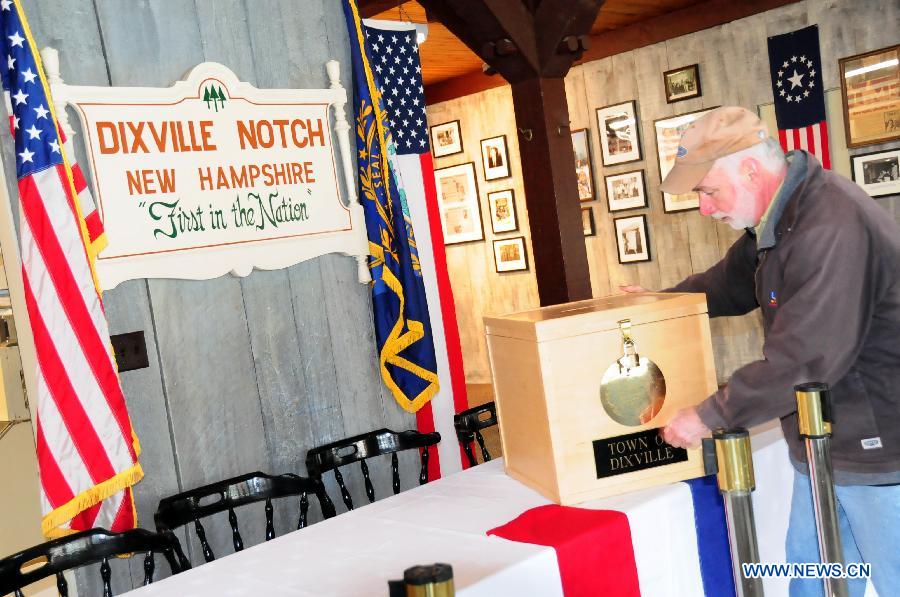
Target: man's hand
(685, 429)
(632, 288)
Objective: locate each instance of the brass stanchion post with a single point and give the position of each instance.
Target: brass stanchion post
(728, 456)
(814, 420)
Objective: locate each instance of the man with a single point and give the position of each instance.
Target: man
(822, 261)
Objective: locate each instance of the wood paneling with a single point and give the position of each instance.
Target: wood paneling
(733, 70)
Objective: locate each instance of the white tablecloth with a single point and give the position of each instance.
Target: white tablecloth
(356, 553)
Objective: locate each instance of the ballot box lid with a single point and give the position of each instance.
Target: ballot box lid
(594, 315)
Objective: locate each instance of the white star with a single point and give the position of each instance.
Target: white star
(20, 97)
(421, 89)
(16, 39)
(41, 112)
(391, 69)
(390, 102)
(26, 156)
(406, 123)
(785, 65)
(803, 58)
(812, 73)
(403, 49)
(380, 39)
(407, 39)
(405, 71)
(806, 93)
(408, 143)
(415, 49)
(782, 93)
(29, 76)
(418, 69)
(375, 47)
(378, 68)
(793, 59)
(796, 80)
(410, 112)
(10, 62)
(413, 132)
(400, 132)
(396, 60)
(409, 60)
(418, 122)
(780, 73)
(54, 146)
(389, 50)
(34, 132)
(5, 4)
(812, 84)
(422, 142)
(402, 101)
(394, 39)
(778, 83)
(416, 102)
(809, 64)
(384, 57)
(395, 91)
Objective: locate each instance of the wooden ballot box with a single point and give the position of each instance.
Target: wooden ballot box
(582, 390)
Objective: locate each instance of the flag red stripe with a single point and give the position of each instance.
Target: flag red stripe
(86, 519)
(94, 225)
(782, 138)
(796, 135)
(811, 140)
(825, 154)
(448, 306)
(78, 424)
(56, 488)
(77, 312)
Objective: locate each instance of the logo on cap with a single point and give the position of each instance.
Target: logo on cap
(682, 151)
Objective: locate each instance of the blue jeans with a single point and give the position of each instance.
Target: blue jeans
(869, 520)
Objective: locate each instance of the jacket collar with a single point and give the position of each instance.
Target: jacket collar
(798, 170)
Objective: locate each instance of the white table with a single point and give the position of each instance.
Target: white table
(356, 553)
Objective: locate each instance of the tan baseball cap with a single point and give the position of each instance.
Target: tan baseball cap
(714, 135)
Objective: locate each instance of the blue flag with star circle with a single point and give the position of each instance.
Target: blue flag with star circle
(795, 66)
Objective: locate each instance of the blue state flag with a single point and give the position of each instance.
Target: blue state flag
(402, 326)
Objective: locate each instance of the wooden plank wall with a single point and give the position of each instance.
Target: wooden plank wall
(733, 70)
(245, 374)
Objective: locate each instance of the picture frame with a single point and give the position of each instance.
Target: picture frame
(446, 139)
(682, 83)
(632, 239)
(870, 92)
(584, 175)
(668, 134)
(510, 255)
(625, 191)
(495, 157)
(587, 221)
(877, 172)
(458, 203)
(502, 207)
(618, 130)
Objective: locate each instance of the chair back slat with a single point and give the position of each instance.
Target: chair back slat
(367, 481)
(225, 496)
(304, 508)
(236, 538)
(82, 549)
(395, 473)
(201, 535)
(345, 495)
(468, 425)
(359, 448)
(149, 566)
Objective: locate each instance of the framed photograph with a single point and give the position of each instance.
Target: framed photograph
(509, 255)
(668, 134)
(457, 194)
(502, 205)
(682, 83)
(626, 191)
(632, 240)
(618, 128)
(495, 158)
(878, 173)
(583, 173)
(870, 86)
(446, 139)
(587, 221)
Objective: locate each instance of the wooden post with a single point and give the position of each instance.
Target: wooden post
(551, 192)
(532, 45)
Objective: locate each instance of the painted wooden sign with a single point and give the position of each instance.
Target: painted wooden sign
(212, 175)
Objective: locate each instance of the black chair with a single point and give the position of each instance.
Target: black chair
(186, 507)
(82, 549)
(375, 443)
(469, 424)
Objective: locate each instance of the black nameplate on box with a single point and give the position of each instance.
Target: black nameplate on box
(634, 452)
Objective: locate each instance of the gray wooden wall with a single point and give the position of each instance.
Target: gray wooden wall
(245, 374)
(733, 63)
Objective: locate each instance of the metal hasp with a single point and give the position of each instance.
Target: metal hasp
(633, 387)
(814, 420)
(728, 455)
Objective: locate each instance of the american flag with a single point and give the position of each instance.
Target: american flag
(86, 447)
(795, 66)
(396, 64)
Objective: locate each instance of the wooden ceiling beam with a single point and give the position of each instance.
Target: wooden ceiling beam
(370, 8)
